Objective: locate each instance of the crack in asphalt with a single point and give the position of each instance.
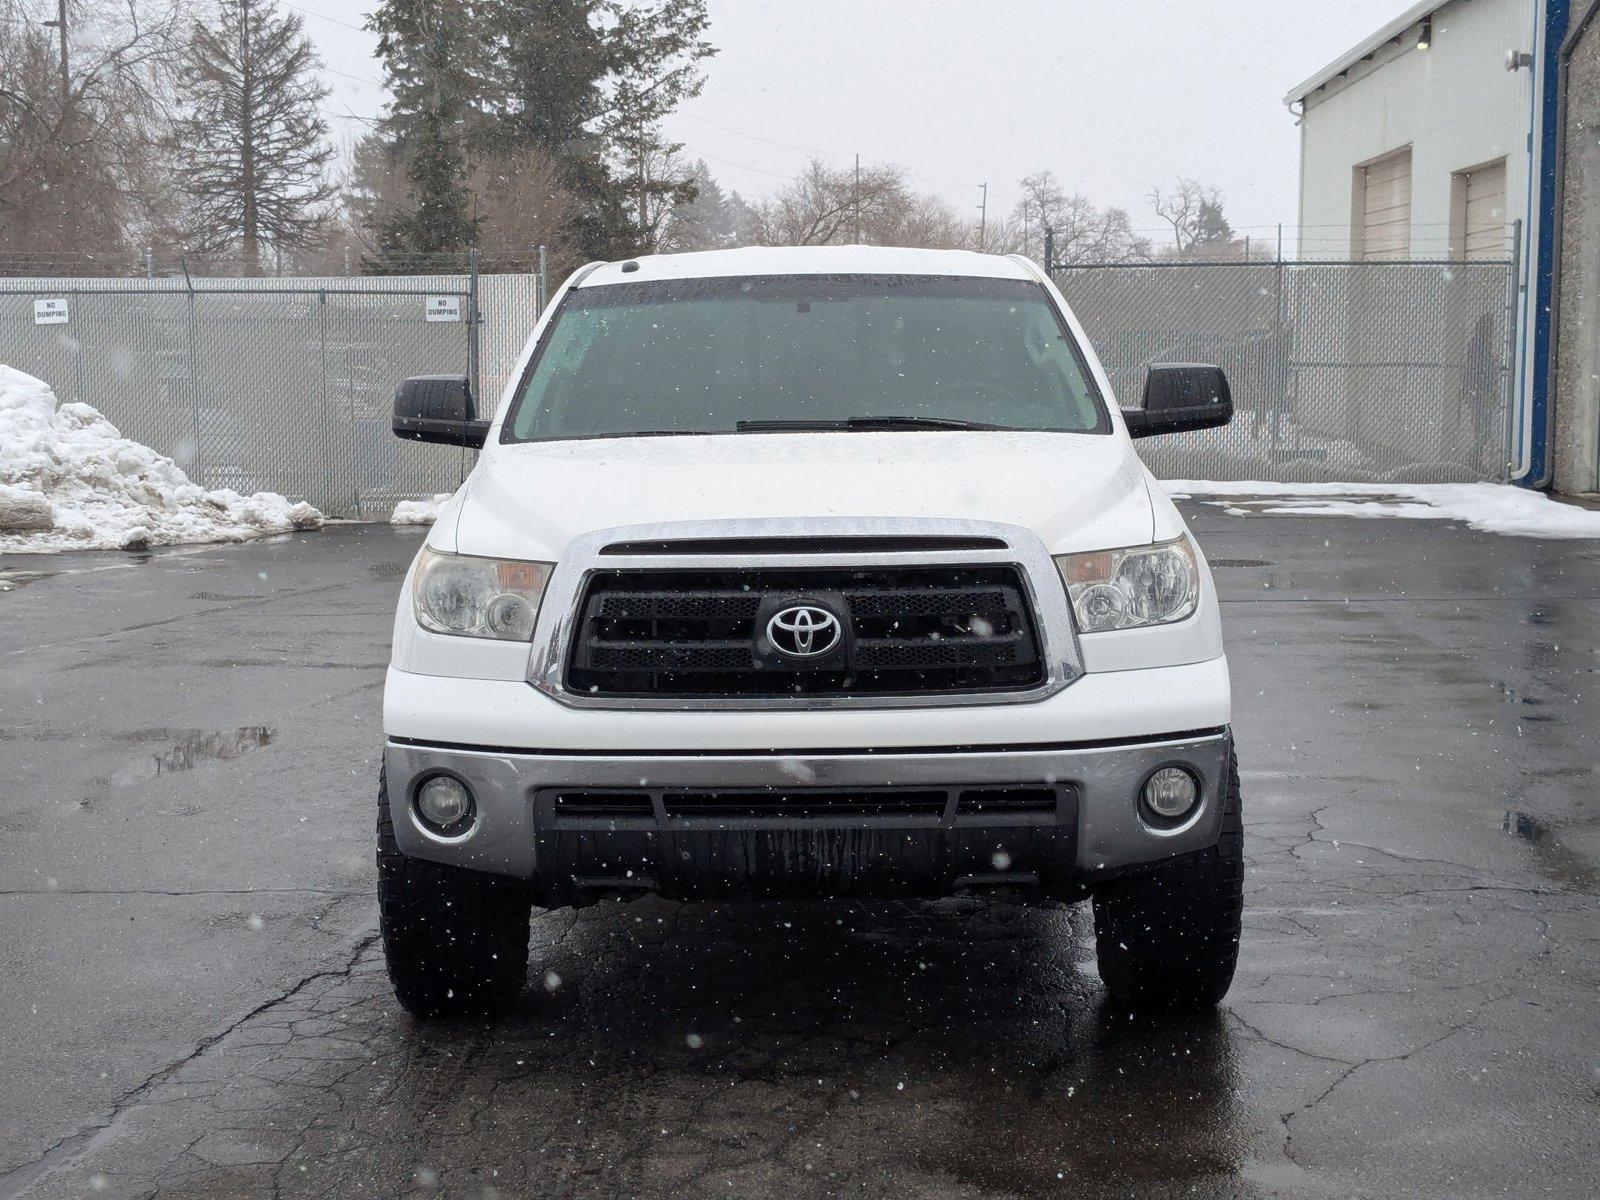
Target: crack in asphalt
(1290, 1117)
(65, 1150)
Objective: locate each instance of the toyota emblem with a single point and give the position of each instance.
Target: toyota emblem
(804, 631)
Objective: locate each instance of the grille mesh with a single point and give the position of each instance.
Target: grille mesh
(910, 630)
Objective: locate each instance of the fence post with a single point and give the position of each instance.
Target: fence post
(1050, 252)
(544, 281)
(1513, 328)
(466, 456)
(1280, 350)
(322, 408)
(197, 463)
(472, 324)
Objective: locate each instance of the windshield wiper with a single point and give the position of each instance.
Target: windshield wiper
(863, 423)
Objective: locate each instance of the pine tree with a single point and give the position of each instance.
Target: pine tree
(1211, 225)
(546, 96)
(657, 51)
(432, 61)
(587, 82)
(551, 56)
(252, 148)
(581, 85)
(713, 219)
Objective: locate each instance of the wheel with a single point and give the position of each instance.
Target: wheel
(456, 941)
(1168, 936)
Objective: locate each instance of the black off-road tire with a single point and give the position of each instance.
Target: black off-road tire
(1168, 936)
(456, 941)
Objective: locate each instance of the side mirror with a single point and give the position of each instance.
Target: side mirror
(438, 408)
(1180, 396)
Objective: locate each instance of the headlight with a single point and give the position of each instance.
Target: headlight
(1123, 589)
(477, 597)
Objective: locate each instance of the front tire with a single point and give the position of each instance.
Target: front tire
(1168, 936)
(456, 942)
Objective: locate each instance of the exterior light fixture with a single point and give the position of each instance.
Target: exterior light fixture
(1425, 38)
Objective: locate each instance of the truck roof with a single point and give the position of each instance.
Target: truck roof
(806, 260)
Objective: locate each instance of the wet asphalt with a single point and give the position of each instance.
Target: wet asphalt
(194, 1004)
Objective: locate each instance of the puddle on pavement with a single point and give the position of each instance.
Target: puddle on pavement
(1561, 863)
(194, 749)
(10, 581)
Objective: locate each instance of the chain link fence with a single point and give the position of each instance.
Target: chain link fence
(273, 384)
(1392, 372)
(1341, 372)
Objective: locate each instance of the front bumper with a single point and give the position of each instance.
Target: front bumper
(1091, 830)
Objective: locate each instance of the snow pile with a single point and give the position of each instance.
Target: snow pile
(1491, 507)
(70, 481)
(419, 512)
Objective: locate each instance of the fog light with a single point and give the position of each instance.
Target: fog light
(445, 805)
(1171, 793)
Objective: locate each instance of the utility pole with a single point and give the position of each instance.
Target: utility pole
(60, 26)
(983, 219)
(856, 196)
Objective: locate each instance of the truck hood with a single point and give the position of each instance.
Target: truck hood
(1076, 491)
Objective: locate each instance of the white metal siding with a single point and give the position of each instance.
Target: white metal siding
(1454, 104)
(1485, 215)
(1385, 189)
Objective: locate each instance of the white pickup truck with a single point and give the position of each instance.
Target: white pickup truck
(808, 572)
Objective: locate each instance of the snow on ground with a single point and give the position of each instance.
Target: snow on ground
(70, 481)
(1492, 507)
(419, 512)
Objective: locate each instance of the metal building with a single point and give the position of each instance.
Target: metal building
(1575, 310)
(1434, 139)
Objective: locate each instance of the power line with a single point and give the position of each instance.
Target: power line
(324, 17)
(357, 78)
(742, 166)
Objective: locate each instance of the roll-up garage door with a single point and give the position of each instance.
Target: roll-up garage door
(1485, 211)
(1385, 192)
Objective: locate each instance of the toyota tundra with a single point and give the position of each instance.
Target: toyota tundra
(809, 572)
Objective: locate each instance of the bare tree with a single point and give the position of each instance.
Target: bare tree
(828, 205)
(927, 221)
(1184, 205)
(661, 182)
(252, 148)
(522, 206)
(77, 171)
(1079, 231)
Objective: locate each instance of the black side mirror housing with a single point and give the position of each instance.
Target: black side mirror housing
(1180, 396)
(438, 408)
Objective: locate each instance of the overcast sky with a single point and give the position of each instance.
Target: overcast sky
(1111, 95)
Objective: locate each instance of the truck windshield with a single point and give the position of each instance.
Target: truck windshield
(754, 354)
